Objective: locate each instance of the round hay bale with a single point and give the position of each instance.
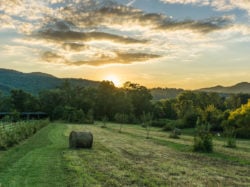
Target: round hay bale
(80, 139)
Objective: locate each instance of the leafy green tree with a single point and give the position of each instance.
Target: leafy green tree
(23, 101)
(140, 98)
(6, 104)
(239, 119)
(213, 116)
(169, 108)
(105, 99)
(158, 110)
(52, 102)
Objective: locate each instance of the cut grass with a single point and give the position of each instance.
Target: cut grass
(37, 161)
(129, 159)
(185, 144)
(121, 159)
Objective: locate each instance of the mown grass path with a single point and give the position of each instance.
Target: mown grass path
(37, 161)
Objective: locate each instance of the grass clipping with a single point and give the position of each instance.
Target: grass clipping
(80, 139)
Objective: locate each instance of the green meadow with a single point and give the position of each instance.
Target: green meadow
(124, 158)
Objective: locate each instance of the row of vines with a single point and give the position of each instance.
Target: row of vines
(13, 133)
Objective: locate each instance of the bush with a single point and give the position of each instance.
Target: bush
(230, 136)
(189, 120)
(203, 144)
(175, 133)
(18, 132)
(203, 141)
(168, 127)
(171, 124)
(158, 123)
(243, 133)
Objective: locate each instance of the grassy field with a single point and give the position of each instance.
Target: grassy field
(121, 159)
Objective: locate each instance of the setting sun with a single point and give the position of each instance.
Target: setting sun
(114, 79)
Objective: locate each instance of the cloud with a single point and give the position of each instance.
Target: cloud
(74, 47)
(203, 26)
(90, 32)
(52, 57)
(6, 22)
(120, 58)
(102, 59)
(85, 36)
(131, 3)
(219, 5)
(119, 15)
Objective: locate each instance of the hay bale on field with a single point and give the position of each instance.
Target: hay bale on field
(80, 139)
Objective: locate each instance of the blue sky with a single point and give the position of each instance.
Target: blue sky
(168, 43)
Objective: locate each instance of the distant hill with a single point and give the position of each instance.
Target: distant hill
(168, 93)
(243, 87)
(36, 81)
(165, 93)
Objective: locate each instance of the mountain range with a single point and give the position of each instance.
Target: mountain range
(242, 87)
(36, 81)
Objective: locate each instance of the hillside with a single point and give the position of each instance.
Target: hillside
(35, 82)
(243, 87)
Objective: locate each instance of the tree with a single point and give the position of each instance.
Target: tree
(6, 104)
(146, 121)
(239, 119)
(104, 121)
(51, 102)
(105, 99)
(23, 101)
(158, 110)
(213, 116)
(122, 119)
(140, 98)
(169, 108)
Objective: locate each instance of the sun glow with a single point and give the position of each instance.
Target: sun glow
(114, 79)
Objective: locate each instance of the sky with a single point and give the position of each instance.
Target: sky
(186, 44)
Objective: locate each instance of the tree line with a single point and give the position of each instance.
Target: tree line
(131, 102)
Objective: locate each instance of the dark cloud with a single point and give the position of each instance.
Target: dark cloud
(107, 15)
(119, 58)
(203, 26)
(74, 47)
(63, 32)
(52, 57)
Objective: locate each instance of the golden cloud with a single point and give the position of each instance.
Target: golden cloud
(117, 58)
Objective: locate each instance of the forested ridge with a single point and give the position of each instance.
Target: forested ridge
(130, 103)
(36, 81)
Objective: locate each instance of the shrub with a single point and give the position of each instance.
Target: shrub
(171, 124)
(168, 127)
(175, 133)
(158, 123)
(18, 132)
(243, 132)
(189, 120)
(203, 141)
(230, 136)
